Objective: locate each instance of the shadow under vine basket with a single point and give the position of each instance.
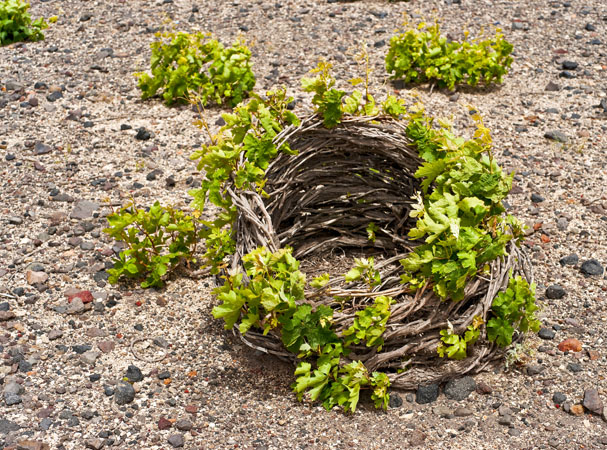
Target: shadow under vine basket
(321, 201)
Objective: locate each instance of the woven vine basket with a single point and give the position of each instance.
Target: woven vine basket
(321, 202)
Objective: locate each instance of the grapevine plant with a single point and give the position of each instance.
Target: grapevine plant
(196, 65)
(157, 240)
(16, 23)
(460, 217)
(421, 55)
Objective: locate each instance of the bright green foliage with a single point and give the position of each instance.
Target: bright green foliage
(370, 324)
(364, 269)
(218, 243)
(331, 104)
(333, 384)
(459, 216)
(320, 281)
(380, 383)
(371, 230)
(455, 346)
(273, 300)
(326, 98)
(186, 66)
(421, 55)
(241, 152)
(307, 330)
(394, 107)
(269, 300)
(513, 309)
(157, 240)
(16, 23)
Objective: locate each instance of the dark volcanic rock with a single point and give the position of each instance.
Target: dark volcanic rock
(460, 388)
(559, 398)
(143, 134)
(395, 401)
(53, 96)
(546, 333)
(426, 394)
(592, 401)
(569, 260)
(570, 65)
(592, 267)
(555, 291)
(6, 426)
(133, 374)
(124, 393)
(536, 198)
(176, 440)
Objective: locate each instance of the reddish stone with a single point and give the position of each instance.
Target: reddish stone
(106, 346)
(416, 438)
(593, 355)
(483, 388)
(192, 409)
(85, 296)
(570, 345)
(164, 424)
(107, 251)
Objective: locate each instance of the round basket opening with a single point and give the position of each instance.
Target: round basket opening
(344, 184)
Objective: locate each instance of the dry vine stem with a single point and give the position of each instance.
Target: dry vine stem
(324, 198)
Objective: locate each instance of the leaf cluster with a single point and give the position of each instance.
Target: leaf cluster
(370, 323)
(269, 299)
(273, 299)
(372, 230)
(513, 309)
(364, 269)
(239, 155)
(334, 384)
(332, 104)
(459, 214)
(16, 23)
(455, 346)
(185, 65)
(156, 241)
(422, 54)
